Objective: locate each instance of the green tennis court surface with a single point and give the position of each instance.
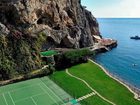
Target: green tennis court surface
(40, 91)
(49, 53)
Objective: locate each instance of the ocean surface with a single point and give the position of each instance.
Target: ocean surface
(120, 61)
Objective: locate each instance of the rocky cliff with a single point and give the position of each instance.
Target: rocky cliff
(29, 26)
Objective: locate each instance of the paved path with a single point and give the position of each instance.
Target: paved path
(112, 103)
(85, 97)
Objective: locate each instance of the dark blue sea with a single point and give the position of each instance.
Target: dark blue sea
(120, 61)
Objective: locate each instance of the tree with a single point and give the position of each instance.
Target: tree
(71, 58)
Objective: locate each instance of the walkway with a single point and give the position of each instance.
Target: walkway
(85, 97)
(90, 87)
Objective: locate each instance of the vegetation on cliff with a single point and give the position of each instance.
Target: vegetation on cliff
(28, 27)
(19, 56)
(70, 58)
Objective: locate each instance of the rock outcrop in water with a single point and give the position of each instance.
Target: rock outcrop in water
(29, 26)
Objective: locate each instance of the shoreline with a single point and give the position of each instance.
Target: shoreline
(131, 89)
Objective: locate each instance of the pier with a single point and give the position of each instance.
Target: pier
(103, 45)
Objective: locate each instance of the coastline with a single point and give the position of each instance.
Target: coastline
(131, 89)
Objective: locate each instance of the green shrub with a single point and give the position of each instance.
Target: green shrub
(51, 68)
(71, 58)
(43, 72)
(19, 55)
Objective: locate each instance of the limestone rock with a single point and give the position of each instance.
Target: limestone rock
(55, 16)
(30, 26)
(3, 29)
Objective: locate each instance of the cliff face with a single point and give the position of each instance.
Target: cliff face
(29, 26)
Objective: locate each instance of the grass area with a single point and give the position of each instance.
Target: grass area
(49, 53)
(106, 86)
(32, 92)
(75, 88)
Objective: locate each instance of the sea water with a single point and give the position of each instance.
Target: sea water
(123, 61)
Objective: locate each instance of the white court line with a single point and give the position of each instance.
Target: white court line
(5, 99)
(33, 100)
(22, 88)
(19, 88)
(11, 98)
(37, 95)
(53, 92)
(29, 97)
(48, 94)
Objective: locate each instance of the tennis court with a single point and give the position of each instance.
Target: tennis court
(40, 91)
